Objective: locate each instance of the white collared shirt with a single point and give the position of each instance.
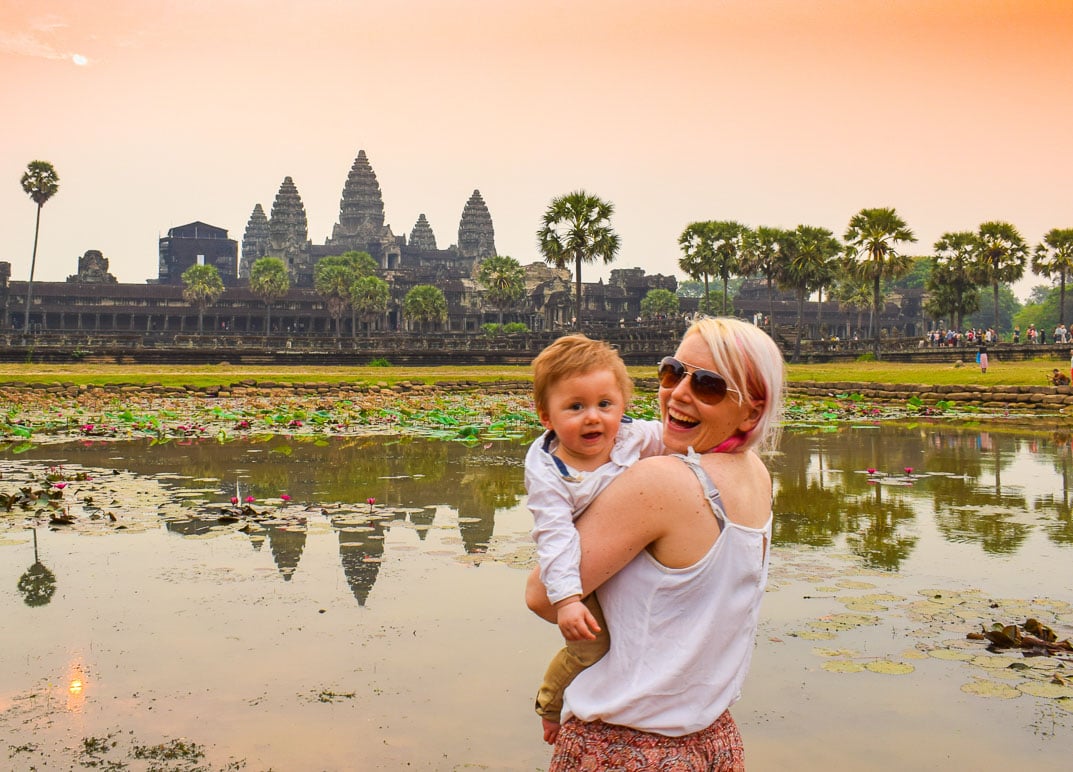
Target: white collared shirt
(557, 495)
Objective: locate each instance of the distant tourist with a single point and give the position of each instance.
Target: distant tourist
(1059, 379)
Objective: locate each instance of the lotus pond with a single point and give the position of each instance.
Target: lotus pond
(295, 601)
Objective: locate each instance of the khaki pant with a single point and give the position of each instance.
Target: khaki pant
(568, 662)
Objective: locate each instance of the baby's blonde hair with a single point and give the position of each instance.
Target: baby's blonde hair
(574, 355)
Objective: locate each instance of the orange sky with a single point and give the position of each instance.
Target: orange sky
(770, 112)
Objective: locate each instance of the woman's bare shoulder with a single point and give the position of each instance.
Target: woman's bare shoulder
(744, 485)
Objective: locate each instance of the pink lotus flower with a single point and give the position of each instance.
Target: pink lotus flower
(234, 499)
(60, 485)
(871, 470)
(909, 470)
(250, 499)
(371, 500)
(285, 497)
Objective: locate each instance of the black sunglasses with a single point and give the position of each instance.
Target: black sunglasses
(709, 387)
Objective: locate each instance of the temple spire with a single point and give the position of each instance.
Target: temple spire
(255, 241)
(361, 208)
(288, 233)
(422, 237)
(476, 236)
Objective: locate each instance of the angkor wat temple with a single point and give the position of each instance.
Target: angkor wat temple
(92, 299)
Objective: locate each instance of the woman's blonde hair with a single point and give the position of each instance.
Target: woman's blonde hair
(573, 355)
(751, 363)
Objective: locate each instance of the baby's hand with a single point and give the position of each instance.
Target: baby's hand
(576, 622)
(551, 730)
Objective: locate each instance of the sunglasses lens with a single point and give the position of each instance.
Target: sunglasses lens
(671, 372)
(708, 386)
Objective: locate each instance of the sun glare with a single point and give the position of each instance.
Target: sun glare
(79, 59)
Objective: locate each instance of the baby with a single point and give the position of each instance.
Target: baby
(581, 388)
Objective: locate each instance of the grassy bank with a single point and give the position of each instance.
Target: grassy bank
(1025, 373)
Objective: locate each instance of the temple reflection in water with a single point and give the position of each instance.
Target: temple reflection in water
(882, 493)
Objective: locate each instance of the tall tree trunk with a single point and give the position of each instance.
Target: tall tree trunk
(800, 320)
(771, 306)
(1061, 300)
(995, 286)
(33, 264)
(577, 282)
(875, 317)
(725, 280)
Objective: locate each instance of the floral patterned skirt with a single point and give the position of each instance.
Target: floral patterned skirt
(592, 746)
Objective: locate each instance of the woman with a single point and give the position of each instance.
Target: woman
(677, 547)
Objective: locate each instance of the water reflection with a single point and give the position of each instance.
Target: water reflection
(970, 483)
(989, 488)
(38, 584)
(409, 480)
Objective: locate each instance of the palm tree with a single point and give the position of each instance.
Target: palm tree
(1000, 256)
(872, 235)
(425, 305)
(1054, 257)
(369, 297)
(951, 289)
(503, 279)
(40, 182)
(763, 255)
(202, 287)
(712, 248)
(853, 292)
(269, 281)
(811, 257)
(335, 275)
(577, 228)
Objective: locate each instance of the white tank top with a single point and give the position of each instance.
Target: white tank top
(681, 638)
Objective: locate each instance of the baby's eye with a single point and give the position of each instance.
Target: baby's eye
(577, 406)
(606, 403)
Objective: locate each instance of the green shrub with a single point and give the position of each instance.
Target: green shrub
(491, 329)
(515, 327)
(380, 362)
(867, 357)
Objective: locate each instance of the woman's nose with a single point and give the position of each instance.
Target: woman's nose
(683, 387)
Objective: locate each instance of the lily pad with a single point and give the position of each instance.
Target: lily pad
(984, 688)
(1047, 689)
(821, 652)
(890, 667)
(952, 654)
(813, 635)
(843, 666)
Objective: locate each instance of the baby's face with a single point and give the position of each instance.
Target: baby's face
(585, 412)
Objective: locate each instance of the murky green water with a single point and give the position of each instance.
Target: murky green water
(323, 631)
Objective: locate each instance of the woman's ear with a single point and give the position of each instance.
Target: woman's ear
(753, 417)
